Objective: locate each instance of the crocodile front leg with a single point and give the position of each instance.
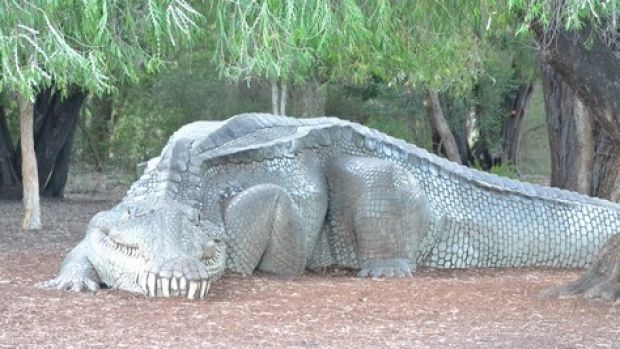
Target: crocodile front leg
(264, 232)
(77, 272)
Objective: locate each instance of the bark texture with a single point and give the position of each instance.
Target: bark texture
(32, 209)
(584, 158)
(447, 141)
(592, 71)
(54, 123)
(570, 135)
(279, 96)
(513, 126)
(275, 96)
(606, 180)
(462, 142)
(10, 185)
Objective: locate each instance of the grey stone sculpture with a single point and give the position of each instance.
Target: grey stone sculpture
(281, 195)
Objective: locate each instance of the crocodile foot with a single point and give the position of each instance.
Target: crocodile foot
(74, 277)
(176, 277)
(396, 267)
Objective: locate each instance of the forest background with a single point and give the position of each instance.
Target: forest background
(525, 89)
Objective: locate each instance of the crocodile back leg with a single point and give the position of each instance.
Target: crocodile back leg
(380, 210)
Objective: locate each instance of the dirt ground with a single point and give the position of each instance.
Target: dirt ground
(493, 308)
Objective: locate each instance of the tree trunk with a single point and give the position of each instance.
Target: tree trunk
(278, 97)
(440, 125)
(513, 126)
(55, 120)
(55, 186)
(592, 71)
(462, 132)
(9, 178)
(55, 138)
(32, 210)
(606, 173)
(570, 135)
(275, 98)
(583, 157)
(462, 141)
(283, 98)
(313, 98)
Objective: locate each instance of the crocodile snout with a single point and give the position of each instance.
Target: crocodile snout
(183, 276)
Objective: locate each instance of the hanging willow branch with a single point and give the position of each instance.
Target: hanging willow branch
(93, 44)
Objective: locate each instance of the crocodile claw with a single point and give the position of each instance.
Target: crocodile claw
(388, 268)
(76, 284)
(74, 277)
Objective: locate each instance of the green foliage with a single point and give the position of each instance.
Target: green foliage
(535, 152)
(482, 110)
(396, 111)
(502, 170)
(421, 42)
(436, 44)
(568, 15)
(392, 50)
(493, 89)
(400, 118)
(139, 135)
(91, 44)
(191, 90)
(11, 113)
(145, 115)
(270, 39)
(505, 170)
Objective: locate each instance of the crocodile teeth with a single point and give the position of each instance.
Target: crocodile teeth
(193, 287)
(159, 290)
(151, 284)
(203, 288)
(174, 286)
(183, 284)
(165, 287)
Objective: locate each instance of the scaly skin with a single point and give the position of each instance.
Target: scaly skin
(281, 195)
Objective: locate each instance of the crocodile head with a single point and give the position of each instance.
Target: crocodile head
(159, 249)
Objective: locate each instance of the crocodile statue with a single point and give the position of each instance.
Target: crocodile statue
(281, 195)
